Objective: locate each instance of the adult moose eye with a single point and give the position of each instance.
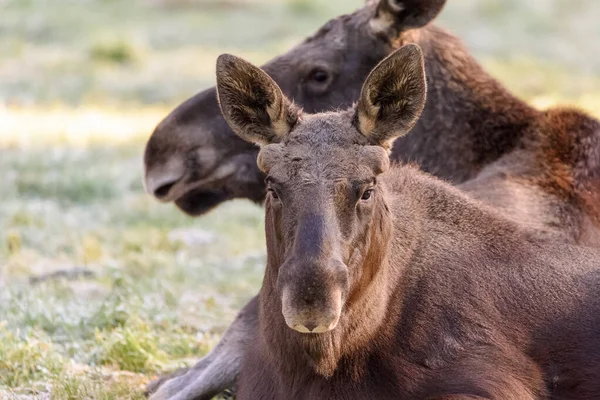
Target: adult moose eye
(367, 194)
(319, 76)
(317, 81)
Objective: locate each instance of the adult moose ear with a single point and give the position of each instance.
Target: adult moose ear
(252, 103)
(392, 97)
(395, 16)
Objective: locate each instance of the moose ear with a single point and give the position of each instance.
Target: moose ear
(395, 16)
(252, 103)
(392, 97)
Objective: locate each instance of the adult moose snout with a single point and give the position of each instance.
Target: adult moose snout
(190, 161)
(313, 281)
(159, 182)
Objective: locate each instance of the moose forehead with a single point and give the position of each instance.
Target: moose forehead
(335, 30)
(330, 46)
(338, 31)
(323, 148)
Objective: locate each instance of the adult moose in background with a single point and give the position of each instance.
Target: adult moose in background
(539, 168)
(389, 284)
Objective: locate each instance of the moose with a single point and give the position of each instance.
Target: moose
(539, 168)
(384, 282)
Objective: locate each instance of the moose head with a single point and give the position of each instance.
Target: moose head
(327, 221)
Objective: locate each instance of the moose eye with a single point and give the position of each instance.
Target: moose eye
(273, 193)
(367, 194)
(319, 76)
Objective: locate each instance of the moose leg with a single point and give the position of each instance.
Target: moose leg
(218, 370)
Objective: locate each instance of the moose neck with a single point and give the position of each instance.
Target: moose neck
(469, 120)
(363, 318)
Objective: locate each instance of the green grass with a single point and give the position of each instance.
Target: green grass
(148, 289)
(154, 296)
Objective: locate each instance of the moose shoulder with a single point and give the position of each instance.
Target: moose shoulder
(388, 283)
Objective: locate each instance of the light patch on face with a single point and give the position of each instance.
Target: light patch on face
(386, 20)
(268, 155)
(376, 157)
(209, 156)
(222, 172)
(381, 23)
(300, 328)
(337, 306)
(396, 6)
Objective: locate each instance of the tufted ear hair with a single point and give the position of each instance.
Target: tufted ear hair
(392, 97)
(395, 16)
(252, 103)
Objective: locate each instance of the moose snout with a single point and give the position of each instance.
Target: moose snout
(313, 279)
(160, 180)
(312, 314)
(312, 294)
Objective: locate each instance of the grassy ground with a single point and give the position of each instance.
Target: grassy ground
(101, 287)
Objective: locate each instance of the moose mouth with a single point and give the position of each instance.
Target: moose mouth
(200, 201)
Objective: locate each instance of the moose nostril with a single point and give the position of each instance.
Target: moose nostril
(163, 191)
(310, 327)
(309, 301)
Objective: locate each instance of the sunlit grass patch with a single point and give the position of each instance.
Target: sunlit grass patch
(35, 127)
(27, 358)
(114, 50)
(104, 387)
(130, 349)
(137, 347)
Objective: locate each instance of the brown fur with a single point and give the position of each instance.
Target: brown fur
(550, 182)
(443, 297)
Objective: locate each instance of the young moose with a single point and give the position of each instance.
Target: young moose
(386, 283)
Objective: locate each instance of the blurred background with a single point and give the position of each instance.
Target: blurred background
(101, 287)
